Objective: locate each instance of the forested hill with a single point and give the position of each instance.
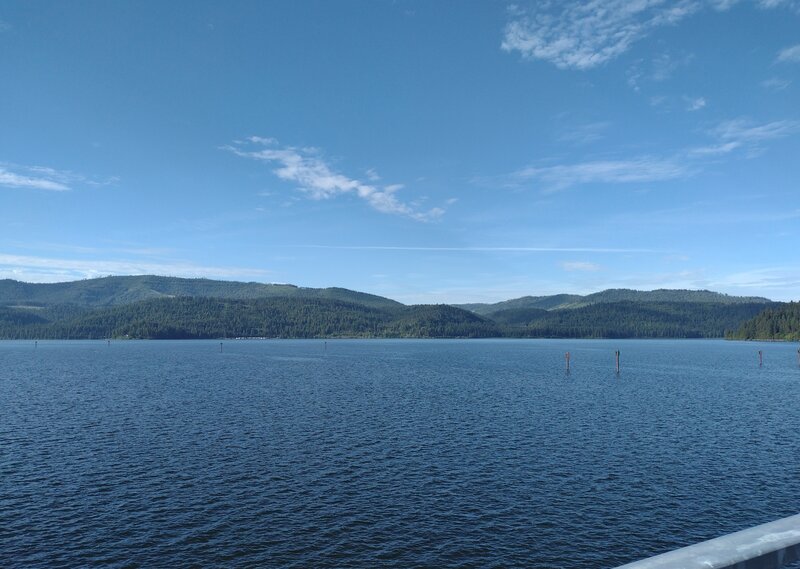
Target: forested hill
(628, 319)
(570, 301)
(779, 322)
(109, 291)
(166, 307)
(196, 318)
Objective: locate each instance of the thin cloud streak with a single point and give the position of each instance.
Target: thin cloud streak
(49, 269)
(44, 178)
(642, 169)
(744, 134)
(737, 134)
(13, 180)
(790, 54)
(585, 266)
(485, 249)
(319, 181)
(761, 278)
(584, 134)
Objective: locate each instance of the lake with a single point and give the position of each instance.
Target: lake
(389, 453)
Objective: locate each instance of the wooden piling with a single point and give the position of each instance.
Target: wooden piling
(760, 358)
(616, 354)
(566, 357)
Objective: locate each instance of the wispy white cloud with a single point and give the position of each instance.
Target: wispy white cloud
(665, 65)
(583, 35)
(763, 4)
(52, 269)
(584, 133)
(744, 134)
(580, 266)
(739, 134)
(642, 169)
(576, 34)
(14, 180)
(43, 178)
(723, 5)
(706, 214)
(115, 247)
(662, 68)
(790, 54)
(793, 4)
(695, 103)
(781, 282)
(775, 83)
(317, 179)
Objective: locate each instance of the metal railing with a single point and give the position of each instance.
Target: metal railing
(767, 546)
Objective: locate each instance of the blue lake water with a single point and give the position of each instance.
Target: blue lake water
(389, 453)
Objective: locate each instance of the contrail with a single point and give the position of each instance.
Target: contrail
(483, 249)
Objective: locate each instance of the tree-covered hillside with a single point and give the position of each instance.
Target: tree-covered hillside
(640, 320)
(166, 307)
(524, 303)
(441, 321)
(186, 318)
(781, 322)
(109, 291)
(561, 301)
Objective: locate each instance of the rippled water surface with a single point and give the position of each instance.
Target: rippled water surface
(389, 453)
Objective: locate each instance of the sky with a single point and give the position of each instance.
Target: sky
(430, 152)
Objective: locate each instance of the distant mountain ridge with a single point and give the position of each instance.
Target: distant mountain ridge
(169, 307)
(568, 301)
(111, 291)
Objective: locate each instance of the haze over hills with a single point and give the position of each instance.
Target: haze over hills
(168, 307)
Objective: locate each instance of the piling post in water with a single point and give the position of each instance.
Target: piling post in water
(36, 345)
(566, 358)
(616, 355)
(760, 358)
(798, 356)
(220, 346)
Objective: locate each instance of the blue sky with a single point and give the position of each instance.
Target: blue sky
(441, 151)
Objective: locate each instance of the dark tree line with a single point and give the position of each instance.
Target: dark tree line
(300, 317)
(781, 322)
(641, 320)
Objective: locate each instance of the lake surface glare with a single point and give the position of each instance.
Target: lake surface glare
(389, 453)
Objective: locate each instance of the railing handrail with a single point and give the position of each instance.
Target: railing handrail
(768, 546)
